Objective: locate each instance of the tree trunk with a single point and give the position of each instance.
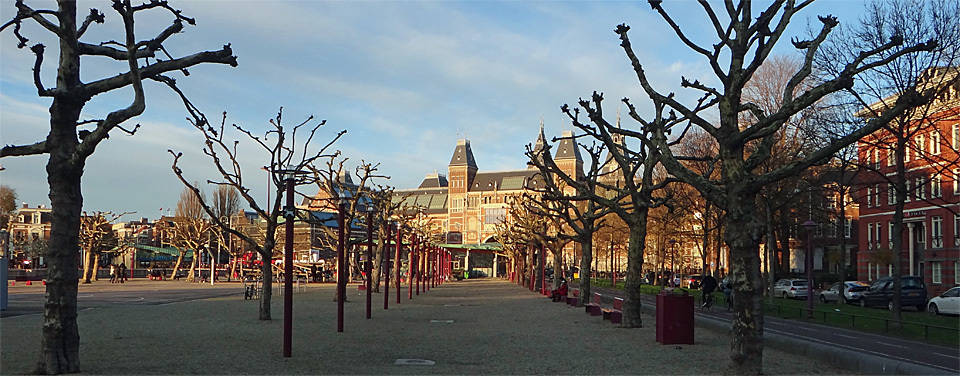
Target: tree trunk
(266, 272)
(176, 266)
(632, 294)
(193, 266)
(96, 265)
(586, 257)
(743, 237)
(60, 343)
(88, 257)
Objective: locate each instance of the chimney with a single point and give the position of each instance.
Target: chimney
(25, 206)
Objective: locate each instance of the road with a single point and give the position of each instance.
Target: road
(846, 343)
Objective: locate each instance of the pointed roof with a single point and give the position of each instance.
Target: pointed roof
(434, 180)
(538, 146)
(463, 155)
(568, 148)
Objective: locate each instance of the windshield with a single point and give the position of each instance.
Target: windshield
(912, 283)
(799, 283)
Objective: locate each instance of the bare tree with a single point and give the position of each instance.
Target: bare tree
(68, 148)
(568, 200)
(286, 153)
(96, 236)
(745, 41)
(8, 204)
(226, 205)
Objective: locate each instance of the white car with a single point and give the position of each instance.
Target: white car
(790, 289)
(948, 302)
(851, 292)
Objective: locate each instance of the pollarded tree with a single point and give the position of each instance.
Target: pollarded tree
(745, 39)
(96, 236)
(69, 146)
(568, 199)
(284, 152)
(226, 205)
(188, 230)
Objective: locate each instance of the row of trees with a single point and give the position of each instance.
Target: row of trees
(740, 153)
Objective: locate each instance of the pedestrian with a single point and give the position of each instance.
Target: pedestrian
(113, 273)
(122, 272)
(560, 294)
(728, 293)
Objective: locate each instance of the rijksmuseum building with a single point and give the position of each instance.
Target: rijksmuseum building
(466, 204)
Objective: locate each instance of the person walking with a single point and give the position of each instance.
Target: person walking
(121, 273)
(113, 273)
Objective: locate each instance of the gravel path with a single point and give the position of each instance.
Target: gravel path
(468, 327)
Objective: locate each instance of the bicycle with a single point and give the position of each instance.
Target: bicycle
(707, 303)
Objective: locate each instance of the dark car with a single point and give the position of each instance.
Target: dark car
(913, 292)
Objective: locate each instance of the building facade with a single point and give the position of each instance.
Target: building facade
(931, 228)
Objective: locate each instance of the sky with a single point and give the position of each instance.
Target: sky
(405, 79)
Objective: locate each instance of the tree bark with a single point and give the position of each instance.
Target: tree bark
(586, 257)
(266, 271)
(632, 294)
(743, 237)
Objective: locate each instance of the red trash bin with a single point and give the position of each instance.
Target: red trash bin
(674, 319)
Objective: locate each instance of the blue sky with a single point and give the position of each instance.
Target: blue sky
(406, 79)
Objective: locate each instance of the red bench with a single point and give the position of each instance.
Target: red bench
(594, 308)
(573, 300)
(615, 315)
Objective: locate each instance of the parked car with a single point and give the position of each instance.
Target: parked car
(913, 292)
(948, 302)
(851, 292)
(693, 281)
(790, 288)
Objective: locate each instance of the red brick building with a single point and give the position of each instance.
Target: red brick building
(931, 230)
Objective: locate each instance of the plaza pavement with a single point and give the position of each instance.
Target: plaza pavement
(471, 327)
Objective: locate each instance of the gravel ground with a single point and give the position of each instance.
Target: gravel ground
(468, 327)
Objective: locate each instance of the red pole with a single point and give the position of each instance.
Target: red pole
(398, 262)
(532, 276)
(417, 260)
(543, 269)
(411, 265)
(386, 269)
(288, 272)
(341, 267)
(369, 263)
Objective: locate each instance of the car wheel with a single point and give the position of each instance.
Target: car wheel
(784, 295)
(863, 302)
(890, 305)
(933, 311)
(823, 299)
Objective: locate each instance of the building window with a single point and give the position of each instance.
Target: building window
(956, 136)
(869, 197)
(891, 156)
(832, 230)
(890, 234)
(956, 181)
(846, 228)
(956, 229)
(869, 235)
(876, 195)
(889, 270)
(956, 273)
(921, 189)
(935, 183)
(878, 228)
(908, 195)
(934, 143)
(891, 196)
(494, 215)
(936, 230)
(936, 273)
(869, 271)
(920, 147)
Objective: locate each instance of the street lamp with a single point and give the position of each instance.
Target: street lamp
(808, 265)
(289, 175)
(672, 266)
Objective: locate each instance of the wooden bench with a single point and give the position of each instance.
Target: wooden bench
(573, 300)
(594, 307)
(28, 279)
(615, 315)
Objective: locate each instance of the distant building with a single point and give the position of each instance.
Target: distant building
(29, 230)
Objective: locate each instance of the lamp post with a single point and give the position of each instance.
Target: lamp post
(808, 265)
(369, 209)
(673, 271)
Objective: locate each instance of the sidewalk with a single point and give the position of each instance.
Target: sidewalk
(469, 327)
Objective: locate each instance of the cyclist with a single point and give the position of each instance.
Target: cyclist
(707, 286)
